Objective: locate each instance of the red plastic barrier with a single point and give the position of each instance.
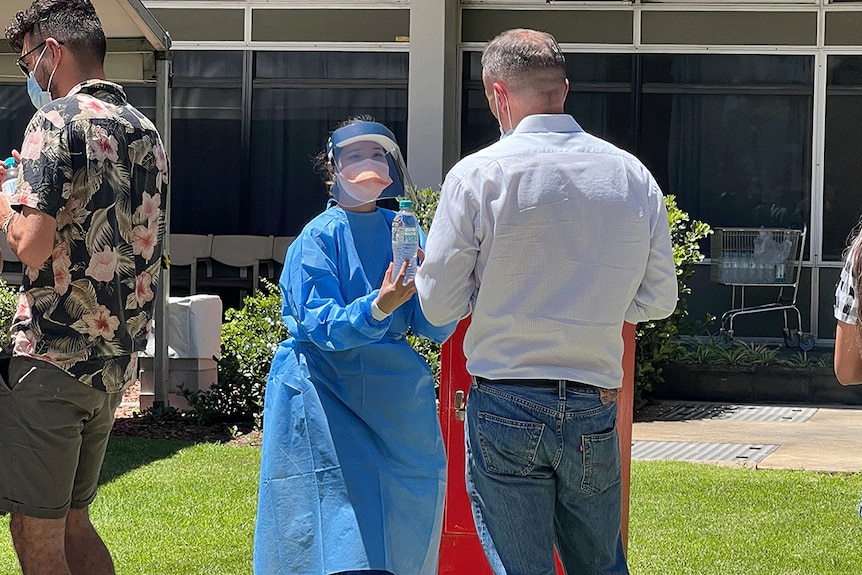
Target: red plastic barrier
(460, 550)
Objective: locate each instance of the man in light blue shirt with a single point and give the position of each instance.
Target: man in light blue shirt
(550, 239)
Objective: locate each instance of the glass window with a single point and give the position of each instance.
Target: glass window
(330, 65)
(15, 113)
(730, 135)
(142, 97)
(599, 99)
(208, 161)
(292, 119)
(842, 174)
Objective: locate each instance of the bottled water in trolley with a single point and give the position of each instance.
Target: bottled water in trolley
(405, 239)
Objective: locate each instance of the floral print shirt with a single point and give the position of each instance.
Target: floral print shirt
(98, 166)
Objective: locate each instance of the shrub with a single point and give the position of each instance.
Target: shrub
(658, 342)
(249, 338)
(8, 305)
(424, 205)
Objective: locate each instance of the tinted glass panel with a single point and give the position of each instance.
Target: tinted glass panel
(215, 64)
(207, 190)
(599, 99)
(142, 97)
(330, 65)
(15, 113)
(290, 122)
(730, 136)
(842, 204)
(289, 127)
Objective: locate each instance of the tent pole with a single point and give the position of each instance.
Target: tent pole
(161, 368)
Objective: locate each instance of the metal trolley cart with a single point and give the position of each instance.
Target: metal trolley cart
(761, 257)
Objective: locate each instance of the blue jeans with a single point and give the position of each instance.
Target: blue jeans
(543, 471)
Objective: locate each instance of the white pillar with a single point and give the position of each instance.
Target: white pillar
(431, 131)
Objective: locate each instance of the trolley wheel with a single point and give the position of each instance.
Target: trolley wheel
(725, 338)
(791, 337)
(806, 342)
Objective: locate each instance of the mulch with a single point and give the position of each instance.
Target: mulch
(177, 425)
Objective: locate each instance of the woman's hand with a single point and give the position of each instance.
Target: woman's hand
(15, 155)
(394, 293)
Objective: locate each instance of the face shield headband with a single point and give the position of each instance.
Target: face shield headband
(368, 132)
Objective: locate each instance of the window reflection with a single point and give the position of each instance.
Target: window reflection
(842, 174)
(298, 98)
(244, 165)
(730, 136)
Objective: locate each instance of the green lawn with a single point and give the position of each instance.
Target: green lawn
(705, 520)
(173, 508)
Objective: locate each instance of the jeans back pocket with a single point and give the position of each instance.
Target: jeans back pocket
(601, 452)
(508, 446)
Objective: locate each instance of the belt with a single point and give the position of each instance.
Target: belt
(561, 385)
(549, 383)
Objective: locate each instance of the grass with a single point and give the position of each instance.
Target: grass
(171, 508)
(705, 520)
(174, 508)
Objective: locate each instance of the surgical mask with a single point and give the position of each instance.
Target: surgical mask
(38, 96)
(503, 133)
(363, 181)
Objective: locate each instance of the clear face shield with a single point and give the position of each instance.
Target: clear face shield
(367, 165)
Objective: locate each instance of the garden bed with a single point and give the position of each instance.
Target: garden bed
(812, 385)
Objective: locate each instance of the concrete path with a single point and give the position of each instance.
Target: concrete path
(779, 437)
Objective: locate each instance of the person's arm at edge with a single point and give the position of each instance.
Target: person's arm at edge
(444, 281)
(656, 297)
(848, 355)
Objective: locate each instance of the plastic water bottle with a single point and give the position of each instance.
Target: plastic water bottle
(405, 240)
(10, 177)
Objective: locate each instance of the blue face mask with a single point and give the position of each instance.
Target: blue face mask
(38, 96)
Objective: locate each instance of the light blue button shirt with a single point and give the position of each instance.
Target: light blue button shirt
(550, 238)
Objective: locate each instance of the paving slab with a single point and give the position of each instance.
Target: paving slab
(813, 438)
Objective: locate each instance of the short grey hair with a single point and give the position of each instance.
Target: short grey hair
(520, 53)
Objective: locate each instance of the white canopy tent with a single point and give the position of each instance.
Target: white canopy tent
(138, 51)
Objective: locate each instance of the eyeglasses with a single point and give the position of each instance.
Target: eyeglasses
(20, 60)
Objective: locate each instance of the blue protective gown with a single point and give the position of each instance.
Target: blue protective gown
(353, 469)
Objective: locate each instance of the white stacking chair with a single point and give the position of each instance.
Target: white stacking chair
(279, 247)
(190, 250)
(246, 253)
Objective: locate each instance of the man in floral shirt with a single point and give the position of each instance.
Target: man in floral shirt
(86, 220)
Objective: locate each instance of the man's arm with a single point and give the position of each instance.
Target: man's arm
(445, 281)
(657, 294)
(30, 233)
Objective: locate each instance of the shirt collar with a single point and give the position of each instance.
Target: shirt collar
(102, 89)
(537, 123)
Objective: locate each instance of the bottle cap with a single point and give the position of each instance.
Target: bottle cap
(9, 162)
(402, 204)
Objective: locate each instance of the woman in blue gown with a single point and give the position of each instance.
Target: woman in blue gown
(353, 469)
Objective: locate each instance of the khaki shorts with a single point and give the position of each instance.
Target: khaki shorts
(53, 435)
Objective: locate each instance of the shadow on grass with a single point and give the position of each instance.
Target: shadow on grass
(126, 454)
